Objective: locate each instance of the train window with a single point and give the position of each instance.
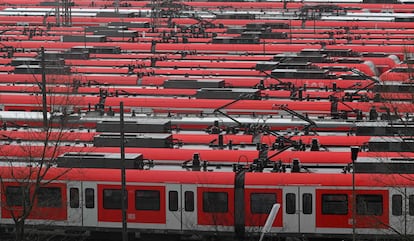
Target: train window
(215, 202)
(411, 205)
(112, 199)
(369, 204)
(173, 200)
(74, 197)
(15, 196)
(290, 203)
(147, 200)
(189, 201)
(89, 198)
(334, 204)
(49, 197)
(262, 202)
(307, 203)
(397, 205)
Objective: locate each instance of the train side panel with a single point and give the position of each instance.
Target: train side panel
(49, 206)
(335, 211)
(215, 208)
(258, 204)
(145, 205)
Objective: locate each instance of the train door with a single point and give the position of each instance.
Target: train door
(291, 209)
(402, 210)
(189, 207)
(409, 211)
(174, 208)
(181, 207)
(74, 190)
(308, 212)
(299, 209)
(89, 204)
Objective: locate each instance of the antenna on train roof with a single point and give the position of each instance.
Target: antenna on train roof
(195, 164)
(283, 84)
(300, 116)
(215, 129)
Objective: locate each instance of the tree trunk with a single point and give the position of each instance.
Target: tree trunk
(19, 233)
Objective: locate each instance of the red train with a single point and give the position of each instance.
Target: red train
(333, 157)
(202, 204)
(230, 81)
(10, 102)
(199, 138)
(201, 48)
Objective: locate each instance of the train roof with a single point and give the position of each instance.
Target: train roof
(147, 176)
(219, 178)
(328, 179)
(21, 115)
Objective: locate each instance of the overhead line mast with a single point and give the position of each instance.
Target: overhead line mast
(66, 6)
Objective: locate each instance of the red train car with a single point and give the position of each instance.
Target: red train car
(17, 102)
(222, 204)
(333, 159)
(200, 48)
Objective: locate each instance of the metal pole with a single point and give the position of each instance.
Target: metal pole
(290, 29)
(84, 38)
(57, 12)
(116, 6)
(43, 88)
(354, 156)
(353, 201)
(123, 175)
